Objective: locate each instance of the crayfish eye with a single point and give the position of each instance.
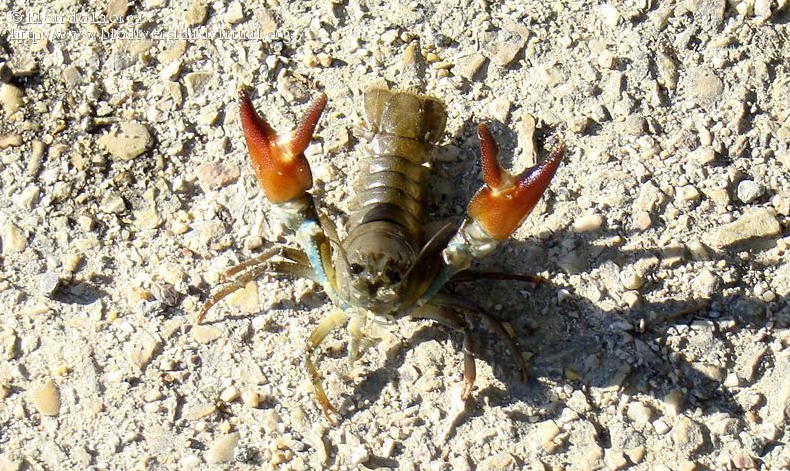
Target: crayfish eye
(394, 276)
(355, 268)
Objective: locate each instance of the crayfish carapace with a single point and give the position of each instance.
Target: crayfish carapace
(384, 270)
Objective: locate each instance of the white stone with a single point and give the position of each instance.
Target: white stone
(13, 239)
(609, 14)
(660, 426)
(631, 279)
(221, 451)
(588, 223)
(229, 394)
(639, 413)
(132, 141)
(749, 190)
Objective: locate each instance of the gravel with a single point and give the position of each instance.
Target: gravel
(660, 340)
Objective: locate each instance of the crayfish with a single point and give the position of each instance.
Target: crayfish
(384, 270)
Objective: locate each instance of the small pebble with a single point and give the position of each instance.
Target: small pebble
(754, 223)
(687, 434)
(172, 274)
(324, 59)
(631, 299)
(147, 219)
(719, 196)
(72, 76)
(359, 455)
(113, 204)
(642, 221)
(742, 460)
(251, 399)
(631, 279)
(504, 47)
(388, 448)
(229, 394)
(636, 454)
(271, 421)
(235, 13)
(47, 399)
(698, 250)
(245, 299)
(650, 198)
(526, 134)
(614, 459)
(10, 140)
(762, 8)
(178, 227)
(500, 109)
(205, 333)
(117, 8)
(8, 344)
(609, 14)
(749, 190)
(411, 55)
(667, 71)
(131, 141)
(687, 193)
(468, 66)
(660, 427)
(142, 350)
(546, 432)
(705, 283)
(28, 198)
(14, 240)
(703, 156)
(588, 223)
(49, 283)
(499, 462)
(197, 82)
(639, 413)
(10, 98)
(214, 175)
(200, 411)
(579, 124)
(704, 87)
(196, 13)
(222, 450)
(606, 59)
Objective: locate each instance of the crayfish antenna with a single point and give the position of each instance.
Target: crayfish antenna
(279, 163)
(506, 200)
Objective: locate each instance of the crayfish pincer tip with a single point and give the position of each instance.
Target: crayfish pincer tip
(492, 171)
(304, 132)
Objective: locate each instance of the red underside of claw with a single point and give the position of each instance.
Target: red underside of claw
(278, 161)
(506, 200)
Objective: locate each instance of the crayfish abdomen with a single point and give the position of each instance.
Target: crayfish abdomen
(385, 230)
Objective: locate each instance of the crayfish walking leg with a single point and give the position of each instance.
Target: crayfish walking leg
(327, 325)
(456, 322)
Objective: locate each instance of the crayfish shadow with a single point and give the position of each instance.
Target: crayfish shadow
(607, 353)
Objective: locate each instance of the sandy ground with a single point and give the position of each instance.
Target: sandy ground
(662, 341)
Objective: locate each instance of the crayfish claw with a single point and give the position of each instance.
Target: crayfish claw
(506, 200)
(279, 163)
